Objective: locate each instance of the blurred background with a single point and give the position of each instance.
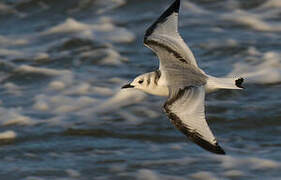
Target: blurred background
(64, 116)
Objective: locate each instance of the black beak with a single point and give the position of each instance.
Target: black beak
(127, 86)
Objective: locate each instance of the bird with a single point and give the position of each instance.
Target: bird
(180, 79)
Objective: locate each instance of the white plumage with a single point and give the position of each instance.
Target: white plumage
(180, 78)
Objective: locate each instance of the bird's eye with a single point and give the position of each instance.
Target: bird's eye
(140, 81)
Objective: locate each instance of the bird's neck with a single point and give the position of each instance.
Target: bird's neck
(156, 85)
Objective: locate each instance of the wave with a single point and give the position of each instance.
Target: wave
(261, 68)
(104, 30)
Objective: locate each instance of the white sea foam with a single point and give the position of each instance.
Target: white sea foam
(104, 91)
(33, 178)
(12, 88)
(61, 104)
(245, 18)
(109, 5)
(75, 104)
(41, 56)
(58, 121)
(145, 174)
(39, 70)
(258, 163)
(113, 103)
(271, 4)
(63, 77)
(69, 26)
(117, 80)
(193, 8)
(58, 99)
(6, 9)
(120, 35)
(263, 68)
(147, 111)
(229, 162)
(73, 173)
(103, 30)
(80, 89)
(41, 102)
(122, 98)
(83, 89)
(11, 53)
(56, 85)
(4, 41)
(202, 175)
(102, 6)
(233, 173)
(41, 105)
(253, 20)
(216, 44)
(130, 117)
(8, 135)
(14, 116)
(103, 56)
(176, 147)
(252, 51)
(117, 168)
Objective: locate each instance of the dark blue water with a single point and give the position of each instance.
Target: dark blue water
(64, 116)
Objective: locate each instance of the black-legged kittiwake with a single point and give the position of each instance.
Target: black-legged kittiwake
(181, 80)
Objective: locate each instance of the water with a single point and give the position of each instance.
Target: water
(63, 115)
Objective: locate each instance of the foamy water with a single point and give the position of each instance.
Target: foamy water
(64, 116)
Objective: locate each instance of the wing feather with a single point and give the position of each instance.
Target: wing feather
(185, 108)
(163, 35)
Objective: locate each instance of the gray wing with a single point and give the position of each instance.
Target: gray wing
(185, 108)
(163, 36)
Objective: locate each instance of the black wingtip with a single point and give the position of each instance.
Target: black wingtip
(173, 8)
(218, 150)
(214, 148)
(239, 82)
(193, 136)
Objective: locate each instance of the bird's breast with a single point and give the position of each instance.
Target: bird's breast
(158, 91)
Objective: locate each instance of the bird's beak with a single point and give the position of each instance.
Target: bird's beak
(127, 86)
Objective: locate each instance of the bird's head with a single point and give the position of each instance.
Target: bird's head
(139, 82)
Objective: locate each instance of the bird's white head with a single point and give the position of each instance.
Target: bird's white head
(149, 83)
(140, 82)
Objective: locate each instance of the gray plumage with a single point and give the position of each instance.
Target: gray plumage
(180, 78)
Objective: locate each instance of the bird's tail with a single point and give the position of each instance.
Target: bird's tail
(214, 83)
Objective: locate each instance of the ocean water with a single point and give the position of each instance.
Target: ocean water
(64, 116)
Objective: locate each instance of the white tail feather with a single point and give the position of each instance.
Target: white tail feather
(214, 83)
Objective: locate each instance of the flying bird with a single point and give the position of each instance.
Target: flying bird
(181, 80)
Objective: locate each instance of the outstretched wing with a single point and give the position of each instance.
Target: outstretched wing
(163, 36)
(185, 109)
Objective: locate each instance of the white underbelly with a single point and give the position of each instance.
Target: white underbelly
(158, 91)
